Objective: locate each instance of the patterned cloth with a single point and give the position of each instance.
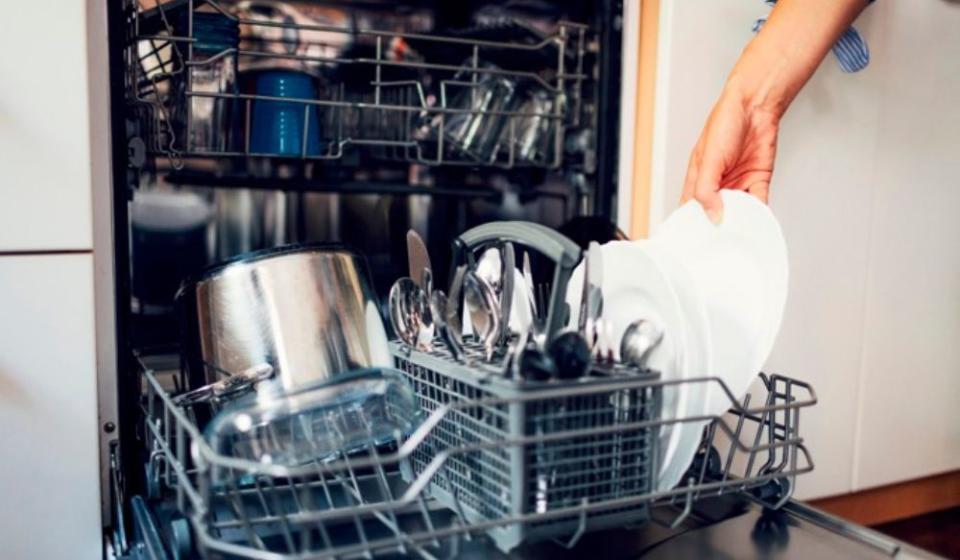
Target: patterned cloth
(850, 49)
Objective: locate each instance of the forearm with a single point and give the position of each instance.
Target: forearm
(785, 53)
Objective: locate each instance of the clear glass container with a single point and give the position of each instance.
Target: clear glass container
(368, 407)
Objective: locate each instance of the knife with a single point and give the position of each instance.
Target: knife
(453, 311)
(506, 290)
(418, 260)
(591, 303)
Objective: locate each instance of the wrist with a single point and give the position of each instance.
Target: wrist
(761, 80)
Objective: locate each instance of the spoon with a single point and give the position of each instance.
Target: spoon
(410, 314)
(438, 307)
(640, 338)
(571, 355)
(481, 302)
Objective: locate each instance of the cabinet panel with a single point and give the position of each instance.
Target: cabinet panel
(45, 129)
(910, 394)
(48, 409)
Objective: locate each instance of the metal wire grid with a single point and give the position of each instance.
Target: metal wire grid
(390, 119)
(362, 506)
(545, 476)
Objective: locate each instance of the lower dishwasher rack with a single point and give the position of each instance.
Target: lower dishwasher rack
(407, 501)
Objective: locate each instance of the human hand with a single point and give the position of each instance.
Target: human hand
(736, 150)
(738, 143)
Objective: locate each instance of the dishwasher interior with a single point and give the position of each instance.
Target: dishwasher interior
(255, 124)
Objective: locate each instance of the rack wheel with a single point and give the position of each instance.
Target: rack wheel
(714, 464)
(182, 538)
(773, 492)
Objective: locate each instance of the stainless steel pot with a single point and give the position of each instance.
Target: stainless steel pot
(309, 311)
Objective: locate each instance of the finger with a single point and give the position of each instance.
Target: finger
(760, 189)
(693, 169)
(707, 185)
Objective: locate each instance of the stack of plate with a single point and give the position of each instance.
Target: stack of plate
(718, 292)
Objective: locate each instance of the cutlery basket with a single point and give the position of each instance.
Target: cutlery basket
(534, 450)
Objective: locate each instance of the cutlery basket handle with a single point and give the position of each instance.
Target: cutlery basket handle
(564, 253)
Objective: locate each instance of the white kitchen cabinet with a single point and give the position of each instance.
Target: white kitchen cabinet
(910, 379)
(50, 486)
(865, 188)
(45, 134)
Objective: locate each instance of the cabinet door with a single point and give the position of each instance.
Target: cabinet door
(50, 505)
(910, 382)
(45, 129)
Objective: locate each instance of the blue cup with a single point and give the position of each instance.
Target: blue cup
(277, 126)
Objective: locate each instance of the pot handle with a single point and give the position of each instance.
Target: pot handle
(226, 386)
(564, 253)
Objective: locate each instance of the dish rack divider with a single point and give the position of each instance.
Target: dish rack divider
(387, 119)
(492, 460)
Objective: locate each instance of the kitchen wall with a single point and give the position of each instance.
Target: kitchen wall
(866, 187)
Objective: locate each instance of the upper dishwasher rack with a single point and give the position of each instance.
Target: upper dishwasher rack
(505, 103)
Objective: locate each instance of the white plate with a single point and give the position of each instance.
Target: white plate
(740, 267)
(753, 221)
(698, 351)
(634, 287)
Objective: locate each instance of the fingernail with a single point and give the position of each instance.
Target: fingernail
(715, 215)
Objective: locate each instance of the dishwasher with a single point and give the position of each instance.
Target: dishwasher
(247, 125)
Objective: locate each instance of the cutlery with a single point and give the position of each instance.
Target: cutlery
(410, 314)
(528, 285)
(591, 303)
(438, 307)
(418, 261)
(490, 267)
(640, 338)
(571, 355)
(481, 303)
(506, 290)
(536, 321)
(453, 317)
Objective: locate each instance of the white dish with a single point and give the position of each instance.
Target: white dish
(635, 287)
(698, 351)
(740, 266)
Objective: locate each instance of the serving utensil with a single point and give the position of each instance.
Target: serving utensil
(640, 338)
(571, 355)
(438, 307)
(481, 303)
(418, 261)
(410, 314)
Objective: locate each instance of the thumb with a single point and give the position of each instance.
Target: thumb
(707, 187)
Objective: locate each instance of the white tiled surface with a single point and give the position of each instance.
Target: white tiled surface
(865, 187)
(44, 128)
(49, 488)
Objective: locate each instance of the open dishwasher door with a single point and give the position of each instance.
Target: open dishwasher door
(726, 527)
